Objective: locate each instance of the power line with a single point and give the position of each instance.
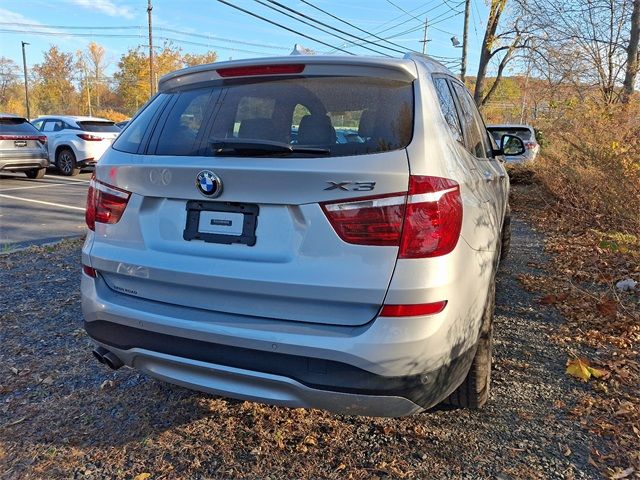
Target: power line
(414, 29)
(322, 23)
(140, 27)
(284, 27)
(356, 27)
(132, 36)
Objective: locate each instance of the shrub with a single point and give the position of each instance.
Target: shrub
(591, 164)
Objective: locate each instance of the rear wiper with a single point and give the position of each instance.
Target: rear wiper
(249, 147)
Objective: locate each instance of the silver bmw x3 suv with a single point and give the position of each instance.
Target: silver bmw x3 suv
(237, 246)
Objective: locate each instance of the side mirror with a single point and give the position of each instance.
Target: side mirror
(511, 146)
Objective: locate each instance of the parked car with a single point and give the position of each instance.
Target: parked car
(76, 142)
(22, 147)
(524, 132)
(356, 277)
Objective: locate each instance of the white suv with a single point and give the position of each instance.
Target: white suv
(76, 142)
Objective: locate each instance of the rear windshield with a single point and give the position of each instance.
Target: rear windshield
(16, 125)
(497, 133)
(93, 126)
(338, 115)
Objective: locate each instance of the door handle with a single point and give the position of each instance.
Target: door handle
(488, 176)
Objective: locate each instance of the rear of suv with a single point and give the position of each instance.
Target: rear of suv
(76, 142)
(237, 247)
(22, 147)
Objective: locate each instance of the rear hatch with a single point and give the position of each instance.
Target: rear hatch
(99, 130)
(20, 140)
(229, 183)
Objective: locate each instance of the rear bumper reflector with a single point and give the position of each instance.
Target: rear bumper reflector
(413, 310)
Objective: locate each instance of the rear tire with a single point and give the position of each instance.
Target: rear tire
(66, 163)
(506, 234)
(35, 173)
(473, 393)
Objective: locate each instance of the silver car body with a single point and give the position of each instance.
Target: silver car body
(22, 147)
(526, 133)
(295, 319)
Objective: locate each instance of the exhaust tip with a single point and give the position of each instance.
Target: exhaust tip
(99, 353)
(107, 358)
(112, 361)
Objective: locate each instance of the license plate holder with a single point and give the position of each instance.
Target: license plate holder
(217, 222)
(20, 143)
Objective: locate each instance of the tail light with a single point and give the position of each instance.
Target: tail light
(39, 138)
(91, 272)
(424, 222)
(90, 138)
(105, 203)
(529, 145)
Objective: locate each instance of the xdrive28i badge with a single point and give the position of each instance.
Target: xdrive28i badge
(209, 183)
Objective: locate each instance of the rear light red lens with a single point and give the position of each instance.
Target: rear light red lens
(89, 271)
(426, 222)
(413, 310)
(529, 145)
(369, 220)
(22, 137)
(260, 70)
(105, 203)
(433, 218)
(90, 138)
(42, 139)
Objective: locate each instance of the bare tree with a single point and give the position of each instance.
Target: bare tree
(94, 58)
(590, 34)
(495, 45)
(633, 55)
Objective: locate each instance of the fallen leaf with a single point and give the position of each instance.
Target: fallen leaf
(580, 368)
(142, 476)
(341, 467)
(607, 307)
(107, 385)
(310, 440)
(623, 474)
(548, 300)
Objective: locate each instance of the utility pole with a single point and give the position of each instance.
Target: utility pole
(424, 40)
(465, 33)
(151, 74)
(26, 84)
(86, 79)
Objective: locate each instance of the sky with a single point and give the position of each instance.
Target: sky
(200, 25)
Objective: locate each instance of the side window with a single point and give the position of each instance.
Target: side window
(131, 138)
(38, 124)
(49, 126)
(448, 107)
(183, 123)
(476, 138)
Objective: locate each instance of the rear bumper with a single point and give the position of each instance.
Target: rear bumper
(23, 163)
(152, 338)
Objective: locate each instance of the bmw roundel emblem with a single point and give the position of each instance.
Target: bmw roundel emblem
(209, 183)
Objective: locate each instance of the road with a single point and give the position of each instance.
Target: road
(35, 212)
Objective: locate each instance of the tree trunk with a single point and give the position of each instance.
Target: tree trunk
(632, 54)
(497, 6)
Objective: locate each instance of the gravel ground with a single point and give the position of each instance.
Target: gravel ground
(62, 415)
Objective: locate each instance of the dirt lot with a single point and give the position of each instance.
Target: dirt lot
(62, 415)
